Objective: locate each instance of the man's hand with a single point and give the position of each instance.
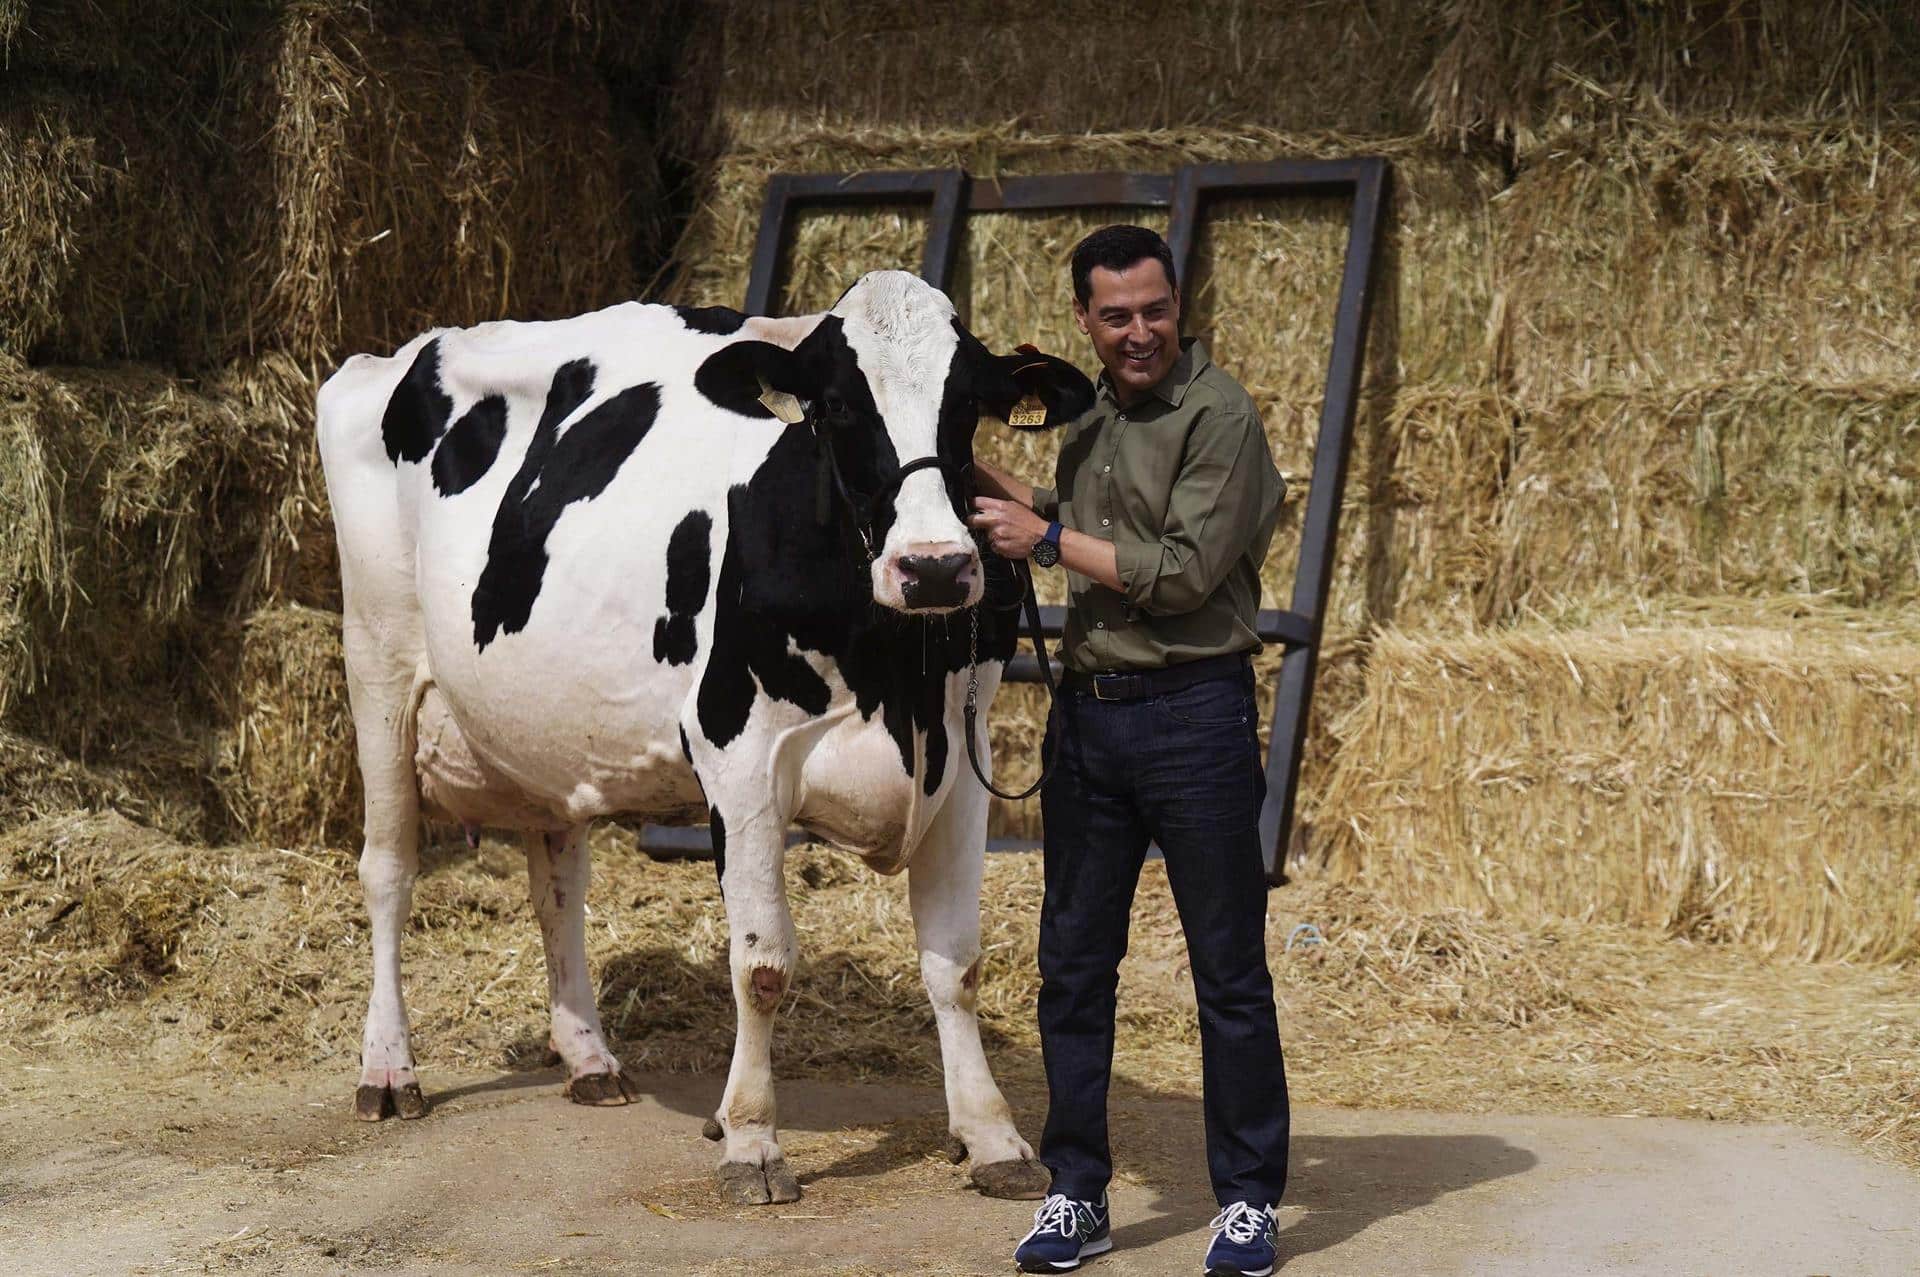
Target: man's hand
(1011, 528)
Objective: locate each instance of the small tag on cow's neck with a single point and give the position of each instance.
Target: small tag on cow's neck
(780, 404)
(1029, 412)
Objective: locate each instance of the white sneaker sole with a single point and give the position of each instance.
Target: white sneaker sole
(1241, 1272)
(1087, 1251)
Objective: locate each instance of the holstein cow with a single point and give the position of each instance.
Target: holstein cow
(586, 570)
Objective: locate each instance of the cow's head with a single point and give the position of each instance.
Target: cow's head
(888, 377)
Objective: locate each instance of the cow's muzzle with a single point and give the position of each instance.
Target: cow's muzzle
(937, 581)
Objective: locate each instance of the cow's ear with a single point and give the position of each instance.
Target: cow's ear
(1015, 382)
(737, 375)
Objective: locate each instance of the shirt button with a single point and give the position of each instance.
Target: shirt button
(1106, 469)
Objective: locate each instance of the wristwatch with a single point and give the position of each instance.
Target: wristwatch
(1046, 551)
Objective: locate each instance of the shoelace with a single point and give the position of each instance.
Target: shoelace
(1059, 1214)
(1243, 1223)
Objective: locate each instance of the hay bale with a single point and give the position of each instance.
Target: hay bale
(156, 509)
(1719, 781)
(161, 49)
(1739, 487)
(33, 574)
(276, 527)
(287, 772)
(843, 64)
(1522, 73)
(404, 186)
(1681, 253)
(113, 247)
(120, 465)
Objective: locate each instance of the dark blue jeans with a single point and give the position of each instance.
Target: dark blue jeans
(1182, 770)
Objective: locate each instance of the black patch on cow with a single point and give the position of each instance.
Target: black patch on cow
(418, 411)
(721, 321)
(469, 449)
(558, 470)
(727, 380)
(718, 828)
(689, 572)
(745, 651)
(686, 746)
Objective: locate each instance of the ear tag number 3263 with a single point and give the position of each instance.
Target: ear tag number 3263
(1028, 412)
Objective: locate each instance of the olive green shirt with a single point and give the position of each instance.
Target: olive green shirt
(1183, 485)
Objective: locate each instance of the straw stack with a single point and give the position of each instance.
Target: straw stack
(287, 771)
(1676, 254)
(403, 186)
(1519, 73)
(110, 249)
(1751, 487)
(1718, 780)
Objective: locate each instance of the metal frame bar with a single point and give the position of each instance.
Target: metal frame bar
(952, 194)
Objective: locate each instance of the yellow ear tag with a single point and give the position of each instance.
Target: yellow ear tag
(1029, 412)
(780, 403)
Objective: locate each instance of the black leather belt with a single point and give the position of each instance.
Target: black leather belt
(1140, 684)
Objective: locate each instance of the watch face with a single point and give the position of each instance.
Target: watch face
(1045, 553)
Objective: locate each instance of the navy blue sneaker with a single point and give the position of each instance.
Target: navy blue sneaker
(1065, 1231)
(1243, 1244)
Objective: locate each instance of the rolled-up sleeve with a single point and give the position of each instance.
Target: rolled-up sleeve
(1213, 515)
(1046, 503)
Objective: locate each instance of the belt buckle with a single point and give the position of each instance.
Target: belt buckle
(1101, 681)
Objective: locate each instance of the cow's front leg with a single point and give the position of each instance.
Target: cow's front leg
(558, 868)
(943, 884)
(761, 952)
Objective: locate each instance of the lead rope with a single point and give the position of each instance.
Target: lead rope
(1032, 608)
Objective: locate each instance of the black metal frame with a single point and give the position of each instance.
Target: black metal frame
(952, 194)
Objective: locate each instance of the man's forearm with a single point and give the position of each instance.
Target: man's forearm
(996, 482)
(1091, 557)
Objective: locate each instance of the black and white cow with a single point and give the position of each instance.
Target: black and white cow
(586, 571)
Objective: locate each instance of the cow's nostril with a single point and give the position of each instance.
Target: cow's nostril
(934, 580)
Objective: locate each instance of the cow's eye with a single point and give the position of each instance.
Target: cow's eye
(833, 406)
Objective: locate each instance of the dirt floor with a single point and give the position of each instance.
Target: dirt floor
(116, 1173)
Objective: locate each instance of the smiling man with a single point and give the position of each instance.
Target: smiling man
(1164, 503)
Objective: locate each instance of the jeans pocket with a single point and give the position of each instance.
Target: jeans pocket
(1217, 702)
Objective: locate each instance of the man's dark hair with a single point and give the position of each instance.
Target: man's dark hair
(1116, 248)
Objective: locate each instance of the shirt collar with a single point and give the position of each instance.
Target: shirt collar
(1172, 388)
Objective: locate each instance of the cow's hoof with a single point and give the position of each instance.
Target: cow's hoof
(1019, 1178)
(373, 1103)
(744, 1184)
(602, 1089)
(711, 1129)
(956, 1149)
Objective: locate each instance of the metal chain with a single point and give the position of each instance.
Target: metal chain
(973, 660)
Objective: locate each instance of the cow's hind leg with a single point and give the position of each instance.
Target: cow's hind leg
(943, 886)
(558, 868)
(761, 949)
(379, 686)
